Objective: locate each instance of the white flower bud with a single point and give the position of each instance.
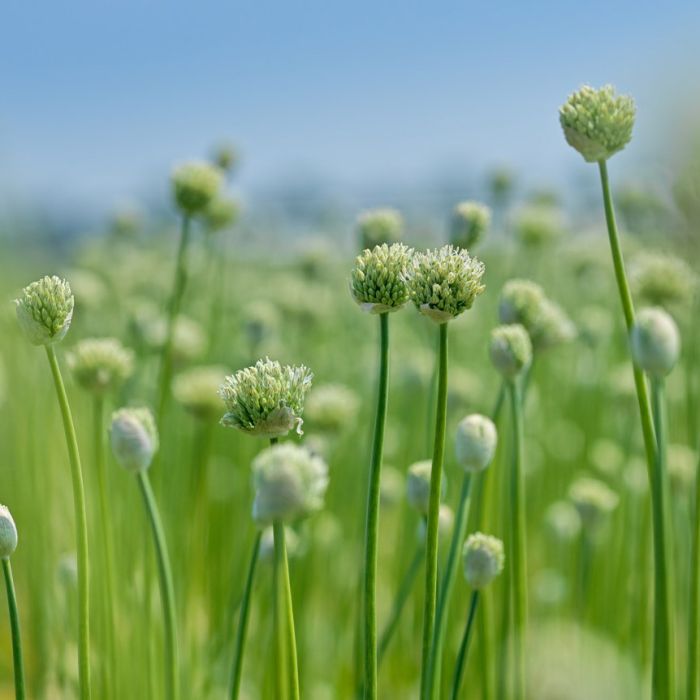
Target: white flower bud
(418, 485)
(8, 533)
(656, 342)
(134, 438)
(483, 559)
(475, 442)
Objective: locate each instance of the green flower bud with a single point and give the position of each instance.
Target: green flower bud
(597, 123)
(332, 407)
(100, 364)
(469, 223)
(655, 342)
(378, 281)
(538, 225)
(511, 349)
(662, 280)
(551, 327)
(220, 214)
(134, 438)
(379, 227)
(520, 302)
(8, 533)
(475, 442)
(418, 485)
(483, 559)
(593, 499)
(196, 389)
(444, 282)
(267, 399)
(225, 157)
(195, 185)
(289, 482)
(45, 310)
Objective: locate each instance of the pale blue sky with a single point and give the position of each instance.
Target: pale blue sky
(100, 98)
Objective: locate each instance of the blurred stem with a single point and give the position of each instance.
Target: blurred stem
(14, 626)
(243, 620)
(446, 586)
(464, 646)
(167, 592)
(80, 524)
(372, 517)
(694, 604)
(278, 615)
(174, 305)
(431, 547)
(289, 610)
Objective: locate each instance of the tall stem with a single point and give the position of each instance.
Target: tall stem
(167, 591)
(662, 688)
(431, 543)
(278, 614)
(694, 603)
(372, 517)
(243, 620)
(464, 646)
(15, 628)
(518, 543)
(80, 525)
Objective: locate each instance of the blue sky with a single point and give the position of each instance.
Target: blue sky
(99, 99)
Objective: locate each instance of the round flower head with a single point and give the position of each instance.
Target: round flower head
(8, 533)
(563, 521)
(444, 282)
(134, 438)
(538, 225)
(418, 485)
(221, 213)
(289, 483)
(656, 342)
(469, 223)
(551, 327)
(45, 310)
(225, 157)
(597, 123)
(195, 185)
(267, 399)
(520, 302)
(661, 280)
(592, 499)
(100, 364)
(196, 390)
(378, 227)
(332, 407)
(378, 280)
(511, 349)
(475, 442)
(483, 559)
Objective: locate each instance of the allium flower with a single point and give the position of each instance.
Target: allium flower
(592, 499)
(196, 390)
(538, 225)
(8, 533)
(332, 407)
(662, 280)
(221, 213)
(483, 559)
(418, 485)
(100, 364)
(475, 442)
(267, 399)
(510, 349)
(378, 227)
(289, 482)
(655, 342)
(520, 302)
(45, 310)
(469, 223)
(378, 281)
(597, 123)
(134, 438)
(444, 282)
(195, 185)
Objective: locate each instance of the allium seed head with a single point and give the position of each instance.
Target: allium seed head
(45, 310)
(444, 282)
(483, 559)
(100, 364)
(266, 399)
(134, 438)
(511, 349)
(195, 185)
(196, 390)
(597, 123)
(378, 227)
(418, 485)
(469, 223)
(475, 442)
(8, 533)
(289, 482)
(655, 341)
(378, 280)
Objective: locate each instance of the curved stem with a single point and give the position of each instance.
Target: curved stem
(431, 548)
(243, 620)
(464, 646)
(694, 604)
(167, 592)
(14, 625)
(278, 609)
(372, 518)
(80, 524)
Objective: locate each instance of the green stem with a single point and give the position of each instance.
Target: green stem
(167, 591)
(80, 524)
(243, 620)
(278, 614)
(694, 604)
(173, 311)
(446, 586)
(372, 519)
(464, 646)
(661, 683)
(431, 547)
(518, 543)
(14, 625)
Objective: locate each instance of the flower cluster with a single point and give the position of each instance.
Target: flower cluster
(100, 364)
(378, 280)
(469, 223)
(662, 280)
(195, 185)
(378, 227)
(483, 559)
(45, 310)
